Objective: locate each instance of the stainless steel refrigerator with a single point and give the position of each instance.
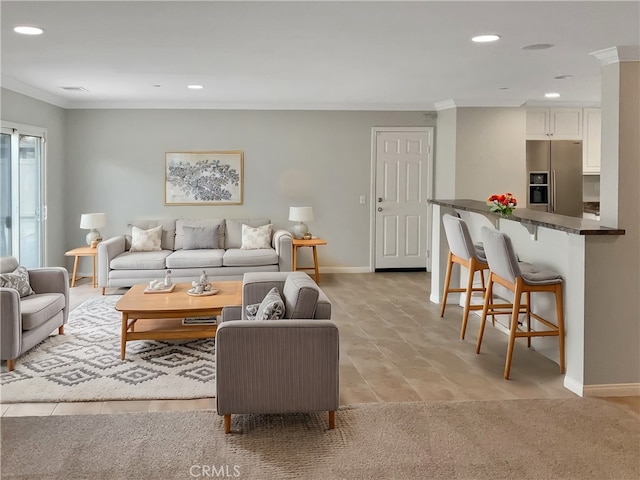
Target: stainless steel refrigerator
(554, 176)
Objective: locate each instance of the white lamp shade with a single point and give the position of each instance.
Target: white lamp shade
(93, 220)
(300, 214)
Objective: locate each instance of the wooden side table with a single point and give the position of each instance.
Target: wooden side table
(82, 252)
(313, 243)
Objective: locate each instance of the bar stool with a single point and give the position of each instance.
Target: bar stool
(463, 252)
(519, 277)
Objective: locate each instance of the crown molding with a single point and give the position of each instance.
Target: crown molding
(30, 91)
(626, 53)
(463, 103)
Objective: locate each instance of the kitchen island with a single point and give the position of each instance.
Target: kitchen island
(576, 248)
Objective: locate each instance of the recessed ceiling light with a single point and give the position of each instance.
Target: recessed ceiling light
(562, 77)
(491, 37)
(538, 46)
(195, 87)
(27, 30)
(157, 85)
(504, 88)
(552, 95)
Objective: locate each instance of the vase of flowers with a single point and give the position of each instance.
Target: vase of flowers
(504, 204)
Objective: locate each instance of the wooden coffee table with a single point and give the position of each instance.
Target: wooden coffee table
(158, 316)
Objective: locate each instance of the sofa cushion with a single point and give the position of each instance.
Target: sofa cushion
(18, 280)
(146, 240)
(233, 236)
(255, 238)
(271, 308)
(140, 260)
(195, 258)
(197, 238)
(199, 222)
(37, 309)
(168, 230)
(300, 295)
(235, 257)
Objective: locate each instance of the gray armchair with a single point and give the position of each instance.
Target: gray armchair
(278, 366)
(26, 321)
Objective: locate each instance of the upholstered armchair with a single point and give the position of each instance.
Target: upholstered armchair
(26, 321)
(289, 365)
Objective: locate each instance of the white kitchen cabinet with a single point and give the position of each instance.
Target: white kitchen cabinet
(554, 124)
(592, 134)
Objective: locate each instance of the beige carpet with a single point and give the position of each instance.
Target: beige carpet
(515, 439)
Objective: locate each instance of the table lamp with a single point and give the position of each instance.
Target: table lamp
(93, 221)
(300, 215)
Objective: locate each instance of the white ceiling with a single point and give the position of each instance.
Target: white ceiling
(310, 55)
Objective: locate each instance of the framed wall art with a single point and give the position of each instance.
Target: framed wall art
(203, 178)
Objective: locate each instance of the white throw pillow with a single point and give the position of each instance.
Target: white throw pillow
(256, 238)
(146, 240)
(272, 306)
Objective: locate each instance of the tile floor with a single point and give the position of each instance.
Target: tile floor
(394, 348)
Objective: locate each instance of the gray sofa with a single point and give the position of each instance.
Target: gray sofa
(119, 267)
(278, 366)
(26, 321)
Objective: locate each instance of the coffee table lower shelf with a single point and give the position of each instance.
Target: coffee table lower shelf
(163, 329)
(159, 317)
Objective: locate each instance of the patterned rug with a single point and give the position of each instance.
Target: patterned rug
(84, 364)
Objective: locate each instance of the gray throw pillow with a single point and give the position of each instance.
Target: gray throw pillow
(198, 238)
(19, 280)
(272, 306)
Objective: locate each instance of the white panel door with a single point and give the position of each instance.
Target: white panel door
(401, 227)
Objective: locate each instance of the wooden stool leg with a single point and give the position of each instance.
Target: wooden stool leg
(514, 326)
(332, 420)
(487, 299)
(467, 300)
(227, 423)
(560, 315)
(447, 280)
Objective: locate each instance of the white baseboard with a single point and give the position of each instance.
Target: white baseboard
(574, 386)
(612, 390)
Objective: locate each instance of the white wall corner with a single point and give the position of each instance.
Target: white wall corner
(574, 386)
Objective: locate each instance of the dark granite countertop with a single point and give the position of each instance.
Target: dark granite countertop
(577, 226)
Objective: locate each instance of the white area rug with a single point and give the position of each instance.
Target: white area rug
(84, 364)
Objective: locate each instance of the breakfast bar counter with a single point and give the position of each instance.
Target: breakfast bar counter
(578, 249)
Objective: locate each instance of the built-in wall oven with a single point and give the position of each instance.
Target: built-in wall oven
(538, 190)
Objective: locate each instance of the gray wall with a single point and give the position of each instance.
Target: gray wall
(322, 159)
(19, 108)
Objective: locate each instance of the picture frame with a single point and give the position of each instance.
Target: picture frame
(204, 178)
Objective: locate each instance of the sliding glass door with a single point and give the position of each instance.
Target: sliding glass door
(22, 194)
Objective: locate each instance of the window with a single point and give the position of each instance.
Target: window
(22, 199)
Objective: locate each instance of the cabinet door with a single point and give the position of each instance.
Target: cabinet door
(591, 142)
(537, 124)
(565, 124)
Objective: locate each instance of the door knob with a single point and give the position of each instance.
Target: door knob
(379, 199)
(379, 209)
